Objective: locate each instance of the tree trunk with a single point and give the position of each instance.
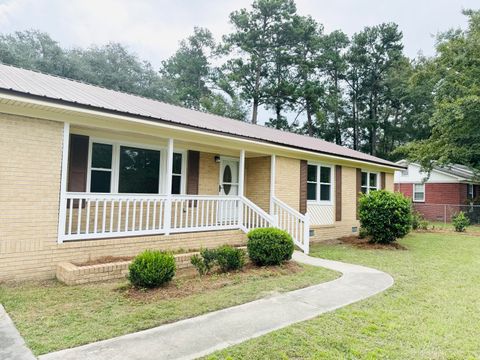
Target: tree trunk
(255, 110)
(338, 134)
(278, 110)
(309, 120)
(256, 96)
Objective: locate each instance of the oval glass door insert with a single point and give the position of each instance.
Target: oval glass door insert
(227, 179)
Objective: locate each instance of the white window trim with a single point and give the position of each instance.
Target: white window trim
(116, 163)
(470, 194)
(413, 193)
(376, 187)
(319, 184)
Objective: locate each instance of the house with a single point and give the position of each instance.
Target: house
(440, 195)
(89, 172)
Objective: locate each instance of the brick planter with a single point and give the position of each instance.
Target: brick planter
(72, 274)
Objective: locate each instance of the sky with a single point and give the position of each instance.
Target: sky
(153, 28)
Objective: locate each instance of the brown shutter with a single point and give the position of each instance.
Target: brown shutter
(382, 180)
(359, 187)
(303, 186)
(77, 163)
(193, 168)
(338, 193)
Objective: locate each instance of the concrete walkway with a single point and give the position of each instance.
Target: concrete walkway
(199, 336)
(12, 346)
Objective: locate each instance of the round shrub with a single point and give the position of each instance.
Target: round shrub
(460, 222)
(269, 246)
(230, 258)
(385, 216)
(151, 269)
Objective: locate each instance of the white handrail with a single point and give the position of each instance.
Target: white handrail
(293, 222)
(101, 215)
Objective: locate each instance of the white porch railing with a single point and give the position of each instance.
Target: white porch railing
(96, 216)
(293, 222)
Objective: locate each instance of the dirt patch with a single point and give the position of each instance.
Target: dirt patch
(192, 283)
(366, 244)
(103, 260)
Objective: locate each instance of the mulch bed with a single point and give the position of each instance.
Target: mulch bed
(365, 243)
(183, 286)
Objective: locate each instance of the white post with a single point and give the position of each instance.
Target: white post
(306, 234)
(241, 186)
(62, 213)
(272, 181)
(168, 188)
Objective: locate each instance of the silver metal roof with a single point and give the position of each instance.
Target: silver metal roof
(54, 88)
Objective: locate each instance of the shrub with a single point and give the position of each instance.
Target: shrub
(460, 222)
(230, 258)
(269, 246)
(205, 261)
(418, 221)
(386, 216)
(362, 233)
(151, 269)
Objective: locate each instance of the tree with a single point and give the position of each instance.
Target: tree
(252, 46)
(187, 72)
(455, 134)
(374, 51)
(33, 50)
(307, 38)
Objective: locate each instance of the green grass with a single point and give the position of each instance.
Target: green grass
(51, 316)
(431, 312)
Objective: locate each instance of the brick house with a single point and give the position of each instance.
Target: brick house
(446, 191)
(90, 172)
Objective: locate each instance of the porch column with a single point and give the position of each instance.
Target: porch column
(272, 181)
(241, 187)
(241, 174)
(62, 213)
(167, 216)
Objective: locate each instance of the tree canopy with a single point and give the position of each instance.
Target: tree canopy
(359, 91)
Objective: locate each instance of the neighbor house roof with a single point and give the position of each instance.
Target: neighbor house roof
(457, 170)
(57, 89)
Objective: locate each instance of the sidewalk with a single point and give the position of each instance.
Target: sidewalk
(201, 335)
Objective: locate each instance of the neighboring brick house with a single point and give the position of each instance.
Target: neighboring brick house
(88, 172)
(446, 191)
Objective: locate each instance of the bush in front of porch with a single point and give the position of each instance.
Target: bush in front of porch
(269, 246)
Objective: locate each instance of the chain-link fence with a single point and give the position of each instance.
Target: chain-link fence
(445, 212)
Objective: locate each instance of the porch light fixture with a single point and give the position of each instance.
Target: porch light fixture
(217, 158)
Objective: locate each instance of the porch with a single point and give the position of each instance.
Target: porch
(114, 187)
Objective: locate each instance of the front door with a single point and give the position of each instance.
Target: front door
(228, 187)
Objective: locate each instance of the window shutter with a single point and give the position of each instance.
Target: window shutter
(77, 163)
(303, 186)
(193, 168)
(338, 193)
(359, 187)
(382, 180)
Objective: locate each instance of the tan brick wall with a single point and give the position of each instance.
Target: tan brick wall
(257, 181)
(343, 227)
(208, 177)
(29, 199)
(287, 181)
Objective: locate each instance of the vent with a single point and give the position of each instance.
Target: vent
(354, 229)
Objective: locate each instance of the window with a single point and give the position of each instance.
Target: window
(369, 182)
(118, 168)
(419, 192)
(139, 170)
(405, 172)
(470, 193)
(319, 183)
(101, 168)
(177, 173)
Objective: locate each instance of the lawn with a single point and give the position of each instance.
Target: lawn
(431, 312)
(51, 316)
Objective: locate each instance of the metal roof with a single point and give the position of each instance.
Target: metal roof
(457, 170)
(76, 93)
